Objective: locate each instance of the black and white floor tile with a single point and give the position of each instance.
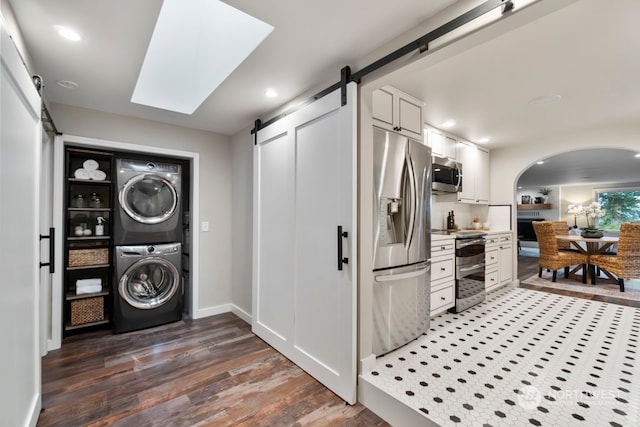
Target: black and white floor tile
(522, 358)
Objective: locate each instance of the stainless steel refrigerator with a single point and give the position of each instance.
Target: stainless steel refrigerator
(402, 239)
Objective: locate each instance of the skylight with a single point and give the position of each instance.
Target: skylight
(195, 46)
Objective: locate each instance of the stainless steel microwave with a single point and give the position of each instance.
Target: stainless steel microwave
(446, 176)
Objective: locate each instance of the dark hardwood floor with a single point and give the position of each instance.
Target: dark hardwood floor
(211, 371)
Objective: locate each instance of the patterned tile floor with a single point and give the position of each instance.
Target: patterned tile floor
(522, 358)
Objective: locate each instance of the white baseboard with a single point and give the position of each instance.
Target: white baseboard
(223, 308)
(36, 406)
(241, 313)
(211, 311)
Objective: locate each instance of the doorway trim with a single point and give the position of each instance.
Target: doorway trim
(58, 219)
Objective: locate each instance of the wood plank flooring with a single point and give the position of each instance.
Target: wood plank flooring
(211, 372)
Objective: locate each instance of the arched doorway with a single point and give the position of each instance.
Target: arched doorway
(576, 177)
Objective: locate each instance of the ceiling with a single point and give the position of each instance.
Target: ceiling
(311, 42)
(587, 51)
(603, 165)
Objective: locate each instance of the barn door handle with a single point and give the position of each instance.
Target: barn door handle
(341, 260)
(52, 248)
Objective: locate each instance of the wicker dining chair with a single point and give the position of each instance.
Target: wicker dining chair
(626, 264)
(561, 228)
(551, 257)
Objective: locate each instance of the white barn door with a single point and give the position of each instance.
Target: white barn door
(20, 146)
(304, 189)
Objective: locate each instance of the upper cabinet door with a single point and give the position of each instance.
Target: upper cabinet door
(436, 140)
(482, 177)
(383, 107)
(450, 147)
(442, 145)
(468, 156)
(410, 115)
(475, 174)
(396, 111)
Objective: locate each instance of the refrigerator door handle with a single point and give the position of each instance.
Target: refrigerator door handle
(401, 276)
(412, 203)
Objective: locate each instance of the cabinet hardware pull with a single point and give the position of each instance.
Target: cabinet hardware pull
(341, 235)
(52, 247)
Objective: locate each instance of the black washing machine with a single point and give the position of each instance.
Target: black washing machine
(148, 206)
(148, 286)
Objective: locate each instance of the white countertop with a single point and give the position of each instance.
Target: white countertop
(436, 237)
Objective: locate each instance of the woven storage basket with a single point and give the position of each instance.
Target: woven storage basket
(83, 257)
(87, 310)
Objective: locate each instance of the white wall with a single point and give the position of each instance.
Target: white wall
(242, 222)
(215, 185)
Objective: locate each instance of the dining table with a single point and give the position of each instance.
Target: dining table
(590, 246)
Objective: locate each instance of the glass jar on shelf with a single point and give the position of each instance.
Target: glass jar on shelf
(95, 201)
(78, 201)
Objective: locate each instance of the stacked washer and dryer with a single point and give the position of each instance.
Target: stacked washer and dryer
(147, 234)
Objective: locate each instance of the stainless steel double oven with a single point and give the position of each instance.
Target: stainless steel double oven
(470, 269)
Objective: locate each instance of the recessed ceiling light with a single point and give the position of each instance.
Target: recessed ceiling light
(484, 139)
(67, 33)
(270, 93)
(545, 99)
(449, 124)
(637, 155)
(67, 84)
(540, 162)
(194, 47)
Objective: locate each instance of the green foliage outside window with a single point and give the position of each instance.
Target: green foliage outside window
(619, 207)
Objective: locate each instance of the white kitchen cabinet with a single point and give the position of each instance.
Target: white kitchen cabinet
(506, 259)
(498, 260)
(396, 111)
(482, 176)
(442, 145)
(442, 275)
(475, 174)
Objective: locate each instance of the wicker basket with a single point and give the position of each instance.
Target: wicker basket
(87, 310)
(85, 257)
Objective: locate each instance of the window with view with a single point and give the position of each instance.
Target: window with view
(620, 205)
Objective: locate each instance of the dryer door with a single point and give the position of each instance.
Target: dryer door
(149, 283)
(149, 198)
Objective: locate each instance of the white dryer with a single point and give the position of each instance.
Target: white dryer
(148, 206)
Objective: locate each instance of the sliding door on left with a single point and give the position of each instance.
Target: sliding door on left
(20, 150)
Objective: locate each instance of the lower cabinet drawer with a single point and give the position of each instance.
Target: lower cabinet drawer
(442, 269)
(441, 298)
(491, 257)
(491, 279)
